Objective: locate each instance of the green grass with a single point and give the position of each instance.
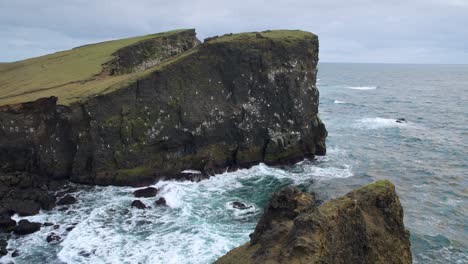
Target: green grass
(276, 35)
(74, 75)
(69, 75)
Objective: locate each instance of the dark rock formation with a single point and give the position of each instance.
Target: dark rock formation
(15, 253)
(67, 200)
(161, 202)
(52, 237)
(6, 223)
(146, 192)
(364, 226)
(240, 205)
(3, 247)
(24, 193)
(231, 102)
(138, 204)
(25, 227)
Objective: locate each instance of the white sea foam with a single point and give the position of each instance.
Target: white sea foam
(378, 122)
(362, 87)
(199, 216)
(338, 102)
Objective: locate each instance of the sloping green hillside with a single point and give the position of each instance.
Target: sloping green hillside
(69, 75)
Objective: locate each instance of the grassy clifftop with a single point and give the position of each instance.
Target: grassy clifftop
(89, 70)
(69, 75)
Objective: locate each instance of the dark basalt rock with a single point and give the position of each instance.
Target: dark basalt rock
(67, 200)
(46, 224)
(161, 202)
(25, 227)
(6, 223)
(138, 204)
(70, 228)
(364, 226)
(15, 253)
(400, 120)
(146, 192)
(52, 237)
(3, 247)
(240, 205)
(231, 102)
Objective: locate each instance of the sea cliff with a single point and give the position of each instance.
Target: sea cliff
(167, 104)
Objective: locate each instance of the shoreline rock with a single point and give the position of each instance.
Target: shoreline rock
(364, 226)
(25, 227)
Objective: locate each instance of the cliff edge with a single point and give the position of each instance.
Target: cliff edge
(162, 104)
(364, 226)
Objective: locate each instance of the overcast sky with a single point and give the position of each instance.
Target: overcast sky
(388, 31)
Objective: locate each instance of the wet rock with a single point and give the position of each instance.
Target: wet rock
(146, 192)
(6, 223)
(240, 205)
(25, 227)
(46, 224)
(67, 200)
(400, 120)
(52, 237)
(70, 228)
(15, 253)
(161, 202)
(3, 247)
(139, 204)
(56, 226)
(364, 226)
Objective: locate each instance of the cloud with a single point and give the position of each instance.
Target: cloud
(427, 31)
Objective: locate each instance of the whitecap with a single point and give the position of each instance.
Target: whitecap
(378, 122)
(362, 87)
(338, 102)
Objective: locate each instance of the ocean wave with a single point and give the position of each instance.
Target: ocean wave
(362, 87)
(378, 122)
(198, 215)
(338, 102)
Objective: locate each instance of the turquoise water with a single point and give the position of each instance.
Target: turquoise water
(426, 158)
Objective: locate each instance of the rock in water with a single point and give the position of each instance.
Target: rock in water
(6, 223)
(138, 204)
(146, 192)
(3, 247)
(400, 120)
(174, 104)
(240, 205)
(25, 227)
(364, 226)
(52, 237)
(161, 202)
(67, 200)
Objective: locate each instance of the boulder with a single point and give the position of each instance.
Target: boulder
(6, 223)
(67, 200)
(25, 227)
(139, 204)
(15, 253)
(364, 226)
(52, 237)
(3, 247)
(161, 202)
(240, 205)
(146, 192)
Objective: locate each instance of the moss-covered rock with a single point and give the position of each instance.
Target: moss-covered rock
(364, 226)
(233, 101)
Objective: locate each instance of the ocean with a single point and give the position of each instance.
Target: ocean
(426, 157)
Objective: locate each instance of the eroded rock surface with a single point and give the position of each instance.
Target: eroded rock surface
(364, 226)
(231, 102)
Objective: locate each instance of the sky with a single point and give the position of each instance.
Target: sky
(369, 31)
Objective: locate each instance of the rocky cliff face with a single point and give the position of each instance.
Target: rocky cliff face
(230, 102)
(364, 226)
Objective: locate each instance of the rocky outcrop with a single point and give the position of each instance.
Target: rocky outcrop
(231, 102)
(148, 53)
(364, 226)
